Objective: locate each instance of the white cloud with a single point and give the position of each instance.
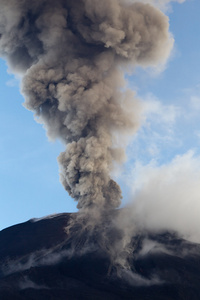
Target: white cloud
(167, 128)
(195, 103)
(157, 112)
(158, 131)
(12, 82)
(167, 197)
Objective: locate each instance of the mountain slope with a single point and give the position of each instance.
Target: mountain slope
(39, 260)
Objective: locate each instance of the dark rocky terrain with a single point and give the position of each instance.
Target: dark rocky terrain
(38, 260)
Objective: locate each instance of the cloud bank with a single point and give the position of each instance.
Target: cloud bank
(167, 197)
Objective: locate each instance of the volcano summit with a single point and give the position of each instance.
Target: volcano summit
(40, 260)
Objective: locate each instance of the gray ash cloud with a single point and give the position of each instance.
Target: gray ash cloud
(72, 56)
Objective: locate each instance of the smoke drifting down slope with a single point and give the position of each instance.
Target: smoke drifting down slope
(71, 55)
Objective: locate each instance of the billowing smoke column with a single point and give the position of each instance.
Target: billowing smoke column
(71, 54)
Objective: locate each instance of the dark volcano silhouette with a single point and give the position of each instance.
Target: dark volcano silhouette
(38, 260)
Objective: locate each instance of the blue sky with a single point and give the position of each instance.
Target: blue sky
(29, 173)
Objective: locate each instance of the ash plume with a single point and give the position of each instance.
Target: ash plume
(72, 56)
(162, 4)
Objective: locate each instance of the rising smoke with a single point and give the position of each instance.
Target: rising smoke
(72, 56)
(161, 4)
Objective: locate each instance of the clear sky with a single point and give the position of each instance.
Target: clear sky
(29, 173)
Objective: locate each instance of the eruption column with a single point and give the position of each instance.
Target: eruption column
(71, 55)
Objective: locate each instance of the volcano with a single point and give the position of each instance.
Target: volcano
(39, 260)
